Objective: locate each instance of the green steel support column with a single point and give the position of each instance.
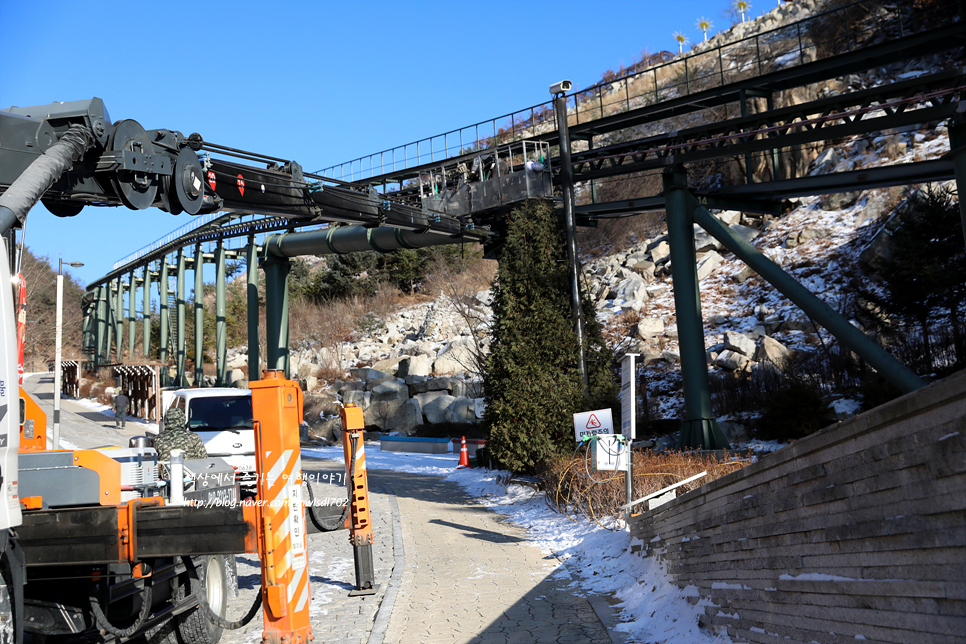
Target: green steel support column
(276, 311)
(102, 330)
(775, 166)
(146, 313)
(180, 340)
(109, 320)
(164, 320)
(957, 147)
(132, 284)
(700, 429)
(252, 293)
(119, 319)
(199, 317)
(890, 368)
(220, 316)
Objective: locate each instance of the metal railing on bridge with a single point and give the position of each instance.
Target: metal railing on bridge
(816, 37)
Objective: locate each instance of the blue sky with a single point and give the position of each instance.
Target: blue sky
(318, 82)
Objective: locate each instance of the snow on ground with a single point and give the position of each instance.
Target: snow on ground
(652, 609)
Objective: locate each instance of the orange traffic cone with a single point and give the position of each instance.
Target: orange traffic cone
(464, 456)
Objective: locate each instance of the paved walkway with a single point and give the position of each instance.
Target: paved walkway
(80, 426)
(449, 570)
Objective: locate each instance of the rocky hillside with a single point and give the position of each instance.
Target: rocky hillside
(421, 364)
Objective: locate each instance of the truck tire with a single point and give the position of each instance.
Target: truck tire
(8, 634)
(213, 581)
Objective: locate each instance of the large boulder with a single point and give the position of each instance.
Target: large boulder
(461, 410)
(371, 377)
(650, 327)
(380, 412)
(390, 390)
(418, 365)
(406, 418)
(458, 359)
(773, 351)
(660, 252)
(435, 410)
(427, 397)
(740, 343)
(432, 384)
(708, 263)
(731, 360)
(358, 398)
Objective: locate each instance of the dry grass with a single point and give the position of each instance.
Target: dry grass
(570, 490)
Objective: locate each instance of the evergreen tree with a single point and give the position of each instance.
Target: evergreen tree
(346, 275)
(925, 269)
(532, 384)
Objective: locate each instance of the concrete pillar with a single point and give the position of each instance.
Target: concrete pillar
(700, 429)
(251, 259)
(199, 317)
(221, 317)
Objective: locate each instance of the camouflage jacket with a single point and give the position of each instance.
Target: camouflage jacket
(182, 439)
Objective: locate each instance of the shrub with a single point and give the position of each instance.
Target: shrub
(793, 410)
(570, 490)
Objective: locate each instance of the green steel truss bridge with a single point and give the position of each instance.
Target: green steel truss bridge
(718, 104)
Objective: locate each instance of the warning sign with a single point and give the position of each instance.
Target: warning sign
(593, 423)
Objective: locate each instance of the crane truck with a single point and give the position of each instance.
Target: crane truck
(104, 544)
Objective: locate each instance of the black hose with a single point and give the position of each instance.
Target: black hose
(24, 193)
(105, 625)
(320, 523)
(198, 589)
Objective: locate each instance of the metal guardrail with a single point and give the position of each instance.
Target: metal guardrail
(791, 45)
(194, 224)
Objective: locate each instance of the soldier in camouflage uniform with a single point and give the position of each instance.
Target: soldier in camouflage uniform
(176, 435)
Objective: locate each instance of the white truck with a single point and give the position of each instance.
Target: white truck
(222, 417)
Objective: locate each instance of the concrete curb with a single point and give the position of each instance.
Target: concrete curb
(381, 622)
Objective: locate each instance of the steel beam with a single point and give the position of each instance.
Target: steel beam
(700, 429)
(890, 368)
(276, 312)
(221, 337)
(251, 264)
(199, 305)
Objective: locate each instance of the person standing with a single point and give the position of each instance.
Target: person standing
(121, 401)
(176, 435)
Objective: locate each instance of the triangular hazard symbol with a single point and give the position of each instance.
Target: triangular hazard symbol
(593, 423)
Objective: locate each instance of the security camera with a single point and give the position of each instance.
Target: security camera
(561, 88)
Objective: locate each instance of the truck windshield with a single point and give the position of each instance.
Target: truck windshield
(220, 413)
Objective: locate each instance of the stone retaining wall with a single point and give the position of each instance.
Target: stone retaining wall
(857, 532)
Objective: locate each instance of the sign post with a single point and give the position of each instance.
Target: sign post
(629, 417)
